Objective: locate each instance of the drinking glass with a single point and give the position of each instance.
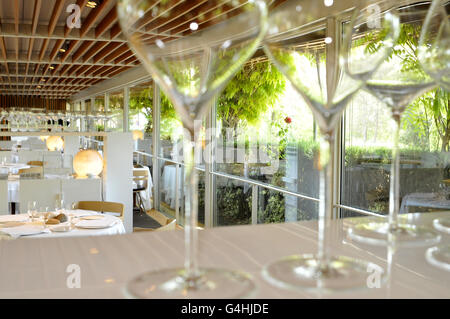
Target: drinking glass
(59, 206)
(308, 55)
(434, 43)
(192, 57)
(397, 82)
(32, 206)
(44, 215)
(434, 56)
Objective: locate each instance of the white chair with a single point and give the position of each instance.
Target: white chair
(4, 197)
(44, 191)
(76, 190)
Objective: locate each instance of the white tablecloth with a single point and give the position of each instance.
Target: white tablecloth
(38, 268)
(116, 229)
(430, 200)
(168, 186)
(146, 194)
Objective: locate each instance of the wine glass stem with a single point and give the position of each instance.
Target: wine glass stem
(191, 211)
(325, 166)
(394, 193)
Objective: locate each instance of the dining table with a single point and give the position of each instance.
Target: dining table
(428, 200)
(82, 223)
(39, 268)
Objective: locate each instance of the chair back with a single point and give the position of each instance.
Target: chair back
(140, 177)
(37, 172)
(36, 163)
(170, 226)
(102, 207)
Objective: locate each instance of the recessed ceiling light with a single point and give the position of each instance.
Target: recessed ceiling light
(193, 26)
(62, 50)
(51, 67)
(92, 4)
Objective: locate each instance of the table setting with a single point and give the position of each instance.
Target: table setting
(42, 223)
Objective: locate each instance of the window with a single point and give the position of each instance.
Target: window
(424, 145)
(115, 115)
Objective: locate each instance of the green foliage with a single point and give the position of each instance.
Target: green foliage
(250, 93)
(274, 211)
(355, 154)
(233, 205)
(142, 102)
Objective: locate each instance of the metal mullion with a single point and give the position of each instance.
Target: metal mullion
(209, 166)
(156, 145)
(126, 109)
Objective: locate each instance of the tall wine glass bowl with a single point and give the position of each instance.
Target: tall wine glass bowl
(397, 82)
(434, 43)
(434, 56)
(309, 55)
(192, 51)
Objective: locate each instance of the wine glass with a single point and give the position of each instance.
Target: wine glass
(434, 43)
(192, 61)
(307, 54)
(44, 215)
(32, 206)
(434, 57)
(397, 82)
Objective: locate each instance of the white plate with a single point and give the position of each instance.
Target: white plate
(92, 217)
(106, 222)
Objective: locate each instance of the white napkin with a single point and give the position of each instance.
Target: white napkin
(80, 212)
(13, 218)
(24, 230)
(105, 222)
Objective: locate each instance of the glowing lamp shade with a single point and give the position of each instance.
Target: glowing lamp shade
(55, 143)
(88, 162)
(138, 135)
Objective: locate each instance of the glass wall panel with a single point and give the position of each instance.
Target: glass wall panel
(266, 133)
(233, 202)
(171, 132)
(141, 119)
(424, 144)
(115, 114)
(424, 162)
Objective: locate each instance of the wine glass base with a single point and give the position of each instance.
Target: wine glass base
(442, 224)
(174, 284)
(339, 274)
(405, 235)
(439, 256)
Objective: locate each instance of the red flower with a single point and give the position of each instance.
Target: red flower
(288, 120)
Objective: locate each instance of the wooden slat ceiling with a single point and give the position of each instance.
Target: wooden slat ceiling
(34, 32)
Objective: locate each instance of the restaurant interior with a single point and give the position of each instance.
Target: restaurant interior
(198, 149)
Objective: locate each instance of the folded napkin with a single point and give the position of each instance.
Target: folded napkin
(80, 213)
(105, 222)
(13, 218)
(24, 230)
